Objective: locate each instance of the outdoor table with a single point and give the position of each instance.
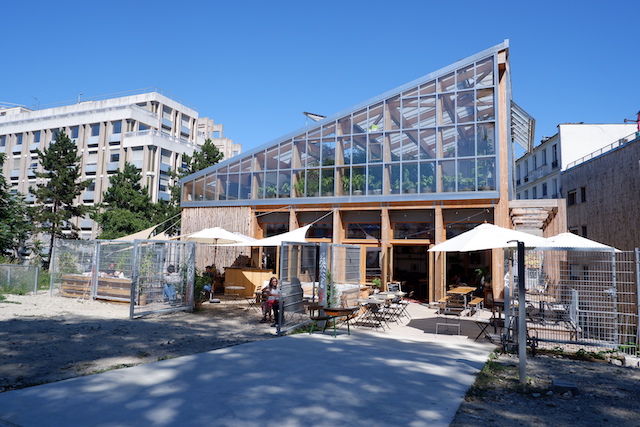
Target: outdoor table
(464, 292)
(336, 312)
(234, 295)
(373, 311)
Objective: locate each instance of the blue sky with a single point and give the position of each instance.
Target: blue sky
(255, 66)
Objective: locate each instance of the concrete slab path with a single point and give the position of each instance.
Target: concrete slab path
(404, 376)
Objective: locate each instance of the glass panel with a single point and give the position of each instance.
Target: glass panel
(486, 138)
(270, 185)
(376, 118)
(329, 130)
(313, 153)
(246, 165)
(466, 175)
(360, 122)
(410, 145)
(258, 185)
(259, 161)
(359, 150)
(245, 186)
(446, 83)
(427, 177)
(428, 111)
(272, 158)
(375, 147)
(394, 179)
(234, 186)
(465, 107)
(486, 174)
(234, 167)
(210, 187)
(466, 78)
(447, 137)
(466, 141)
(393, 105)
(285, 155)
(344, 181)
(284, 184)
(448, 175)
(446, 112)
(428, 144)
(363, 231)
(409, 177)
(485, 110)
(328, 152)
(300, 157)
(410, 113)
(343, 151)
(358, 180)
(484, 72)
(222, 187)
(428, 88)
(410, 93)
(187, 191)
(395, 146)
(328, 182)
(344, 124)
(374, 182)
(307, 183)
(199, 189)
(413, 230)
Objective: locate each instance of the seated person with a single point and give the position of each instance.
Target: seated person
(169, 290)
(109, 271)
(270, 301)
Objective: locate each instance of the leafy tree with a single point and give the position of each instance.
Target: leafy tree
(14, 222)
(127, 205)
(208, 155)
(55, 205)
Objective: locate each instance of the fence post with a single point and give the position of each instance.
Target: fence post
(637, 253)
(35, 286)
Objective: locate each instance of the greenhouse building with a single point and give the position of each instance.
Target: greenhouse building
(395, 174)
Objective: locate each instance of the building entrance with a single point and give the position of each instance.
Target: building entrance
(411, 265)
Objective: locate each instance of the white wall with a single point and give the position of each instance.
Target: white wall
(578, 140)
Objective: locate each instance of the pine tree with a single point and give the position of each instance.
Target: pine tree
(14, 223)
(127, 207)
(208, 155)
(55, 198)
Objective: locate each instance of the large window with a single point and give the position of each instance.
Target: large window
(437, 136)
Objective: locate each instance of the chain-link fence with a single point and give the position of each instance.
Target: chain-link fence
(18, 279)
(323, 274)
(580, 299)
(150, 275)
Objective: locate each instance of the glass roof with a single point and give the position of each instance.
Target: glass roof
(433, 138)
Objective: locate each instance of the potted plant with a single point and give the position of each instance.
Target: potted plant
(357, 183)
(426, 184)
(271, 191)
(327, 185)
(375, 185)
(376, 283)
(285, 190)
(408, 185)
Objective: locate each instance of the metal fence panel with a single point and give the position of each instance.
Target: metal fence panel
(585, 299)
(18, 279)
(150, 275)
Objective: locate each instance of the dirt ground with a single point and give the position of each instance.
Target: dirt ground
(560, 391)
(45, 339)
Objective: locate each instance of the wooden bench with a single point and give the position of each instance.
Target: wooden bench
(478, 301)
(75, 286)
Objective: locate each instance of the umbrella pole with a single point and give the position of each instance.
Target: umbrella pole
(522, 315)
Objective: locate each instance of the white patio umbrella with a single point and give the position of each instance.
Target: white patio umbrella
(487, 236)
(570, 241)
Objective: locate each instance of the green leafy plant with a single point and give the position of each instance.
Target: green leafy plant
(376, 282)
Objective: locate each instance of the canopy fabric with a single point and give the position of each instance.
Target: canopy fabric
(570, 241)
(294, 236)
(487, 236)
(140, 235)
(216, 236)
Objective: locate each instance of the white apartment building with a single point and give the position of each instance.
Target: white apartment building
(207, 129)
(538, 172)
(147, 128)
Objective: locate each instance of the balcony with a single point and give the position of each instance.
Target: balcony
(113, 167)
(90, 169)
(15, 174)
(33, 147)
(88, 196)
(116, 137)
(17, 149)
(93, 141)
(31, 173)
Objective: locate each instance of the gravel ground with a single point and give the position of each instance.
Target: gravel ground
(45, 339)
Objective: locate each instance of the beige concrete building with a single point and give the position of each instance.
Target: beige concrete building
(147, 128)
